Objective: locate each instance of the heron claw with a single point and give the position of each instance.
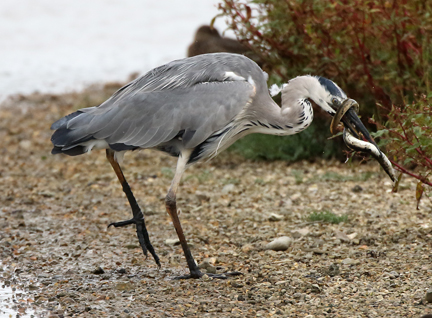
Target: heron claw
(142, 234)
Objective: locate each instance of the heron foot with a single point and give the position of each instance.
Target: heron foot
(142, 234)
(200, 274)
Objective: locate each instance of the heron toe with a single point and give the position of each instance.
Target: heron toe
(142, 234)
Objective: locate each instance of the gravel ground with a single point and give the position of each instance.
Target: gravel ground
(56, 248)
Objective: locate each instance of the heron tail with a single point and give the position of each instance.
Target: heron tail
(66, 140)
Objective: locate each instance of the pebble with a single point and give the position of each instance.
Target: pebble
(429, 296)
(350, 261)
(202, 196)
(280, 244)
(300, 232)
(174, 241)
(333, 270)
(357, 189)
(124, 286)
(228, 188)
(98, 271)
(393, 274)
(275, 217)
(315, 288)
(247, 248)
(297, 295)
(208, 267)
(295, 196)
(313, 189)
(25, 144)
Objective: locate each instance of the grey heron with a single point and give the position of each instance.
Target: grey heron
(193, 109)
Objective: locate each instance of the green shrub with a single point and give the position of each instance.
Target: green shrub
(328, 217)
(377, 51)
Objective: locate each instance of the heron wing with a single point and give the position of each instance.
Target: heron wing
(190, 98)
(149, 119)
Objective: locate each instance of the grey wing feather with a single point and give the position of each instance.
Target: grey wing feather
(202, 110)
(191, 95)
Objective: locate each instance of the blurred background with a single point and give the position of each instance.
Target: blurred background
(57, 46)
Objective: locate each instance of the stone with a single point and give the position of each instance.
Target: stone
(124, 286)
(313, 189)
(275, 217)
(429, 296)
(208, 267)
(295, 197)
(247, 248)
(315, 288)
(228, 188)
(333, 270)
(98, 271)
(357, 189)
(280, 244)
(393, 275)
(202, 196)
(352, 236)
(25, 144)
(174, 241)
(297, 295)
(350, 261)
(345, 238)
(297, 233)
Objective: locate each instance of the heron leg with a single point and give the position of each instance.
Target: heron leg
(171, 207)
(138, 216)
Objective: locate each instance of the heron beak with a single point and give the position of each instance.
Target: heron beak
(353, 122)
(347, 113)
(353, 125)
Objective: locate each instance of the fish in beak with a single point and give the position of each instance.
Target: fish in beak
(354, 131)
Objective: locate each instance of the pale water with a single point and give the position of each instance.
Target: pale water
(55, 46)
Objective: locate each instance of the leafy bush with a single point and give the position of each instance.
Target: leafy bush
(407, 136)
(378, 51)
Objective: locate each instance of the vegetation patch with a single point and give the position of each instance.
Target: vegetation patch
(328, 217)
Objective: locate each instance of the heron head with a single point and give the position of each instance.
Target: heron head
(329, 96)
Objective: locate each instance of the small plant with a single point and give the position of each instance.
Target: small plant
(167, 173)
(201, 177)
(231, 181)
(328, 217)
(204, 176)
(298, 176)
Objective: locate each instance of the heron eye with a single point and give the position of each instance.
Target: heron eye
(335, 101)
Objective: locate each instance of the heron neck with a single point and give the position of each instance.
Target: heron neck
(286, 120)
